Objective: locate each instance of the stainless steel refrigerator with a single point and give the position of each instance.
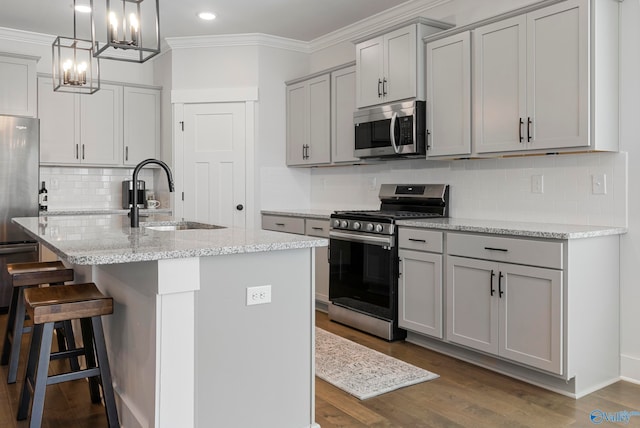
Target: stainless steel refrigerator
(19, 175)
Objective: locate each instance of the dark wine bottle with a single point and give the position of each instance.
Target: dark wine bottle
(43, 198)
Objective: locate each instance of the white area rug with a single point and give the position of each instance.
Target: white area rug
(361, 371)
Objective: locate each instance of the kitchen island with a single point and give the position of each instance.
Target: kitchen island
(185, 347)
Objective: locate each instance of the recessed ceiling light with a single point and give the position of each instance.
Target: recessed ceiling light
(207, 16)
(83, 8)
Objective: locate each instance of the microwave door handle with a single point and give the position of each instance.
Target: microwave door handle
(392, 133)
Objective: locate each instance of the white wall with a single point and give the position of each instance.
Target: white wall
(630, 139)
(267, 68)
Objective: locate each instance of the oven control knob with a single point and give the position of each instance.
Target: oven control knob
(336, 223)
(378, 228)
(356, 226)
(369, 227)
(344, 223)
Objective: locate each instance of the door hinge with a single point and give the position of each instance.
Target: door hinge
(181, 125)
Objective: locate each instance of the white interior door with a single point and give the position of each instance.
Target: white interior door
(214, 163)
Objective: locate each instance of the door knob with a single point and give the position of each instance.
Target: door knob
(239, 207)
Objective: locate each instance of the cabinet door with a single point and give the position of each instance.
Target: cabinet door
(18, 93)
(141, 124)
(420, 292)
(400, 57)
(343, 104)
(101, 126)
(59, 127)
(472, 310)
(297, 100)
(500, 86)
(531, 316)
(558, 90)
(369, 72)
(449, 96)
(319, 120)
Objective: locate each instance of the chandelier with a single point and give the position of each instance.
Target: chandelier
(131, 29)
(74, 67)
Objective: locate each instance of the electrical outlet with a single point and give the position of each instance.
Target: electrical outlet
(373, 183)
(537, 184)
(258, 295)
(599, 184)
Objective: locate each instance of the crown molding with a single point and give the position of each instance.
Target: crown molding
(393, 17)
(25, 36)
(252, 39)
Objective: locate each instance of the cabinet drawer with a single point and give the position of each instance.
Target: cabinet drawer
(420, 239)
(511, 250)
(283, 224)
(318, 228)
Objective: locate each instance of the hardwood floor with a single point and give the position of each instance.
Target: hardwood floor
(463, 396)
(67, 405)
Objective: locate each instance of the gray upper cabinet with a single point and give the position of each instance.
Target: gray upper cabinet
(536, 77)
(18, 85)
(449, 96)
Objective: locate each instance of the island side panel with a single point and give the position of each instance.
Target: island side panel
(254, 364)
(131, 338)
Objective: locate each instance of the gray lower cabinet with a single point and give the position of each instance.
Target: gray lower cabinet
(309, 227)
(420, 287)
(543, 310)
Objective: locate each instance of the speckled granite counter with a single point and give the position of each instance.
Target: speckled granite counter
(501, 227)
(108, 239)
(306, 213)
(80, 211)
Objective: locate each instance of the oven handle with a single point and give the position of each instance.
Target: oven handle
(392, 132)
(383, 241)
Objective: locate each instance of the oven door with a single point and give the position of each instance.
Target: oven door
(364, 273)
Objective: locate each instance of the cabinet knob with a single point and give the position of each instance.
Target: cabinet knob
(239, 207)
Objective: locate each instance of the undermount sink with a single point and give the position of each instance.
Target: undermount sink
(183, 225)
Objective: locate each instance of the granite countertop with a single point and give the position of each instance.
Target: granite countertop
(524, 229)
(82, 211)
(306, 213)
(109, 239)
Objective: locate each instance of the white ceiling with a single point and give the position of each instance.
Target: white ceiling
(303, 20)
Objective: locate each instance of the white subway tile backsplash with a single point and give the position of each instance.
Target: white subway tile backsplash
(88, 188)
(493, 188)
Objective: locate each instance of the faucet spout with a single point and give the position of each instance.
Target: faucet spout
(135, 214)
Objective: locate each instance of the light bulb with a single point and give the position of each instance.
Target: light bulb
(133, 21)
(82, 67)
(67, 65)
(113, 20)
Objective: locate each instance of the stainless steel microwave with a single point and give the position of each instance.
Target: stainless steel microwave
(394, 130)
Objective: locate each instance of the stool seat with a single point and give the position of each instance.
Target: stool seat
(36, 273)
(51, 304)
(22, 276)
(63, 303)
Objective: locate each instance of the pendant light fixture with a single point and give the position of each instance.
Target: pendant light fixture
(131, 29)
(74, 67)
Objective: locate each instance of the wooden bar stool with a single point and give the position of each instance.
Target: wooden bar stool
(25, 275)
(49, 305)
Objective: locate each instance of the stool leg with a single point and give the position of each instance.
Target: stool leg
(16, 343)
(105, 373)
(36, 374)
(6, 347)
(68, 342)
(90, 358)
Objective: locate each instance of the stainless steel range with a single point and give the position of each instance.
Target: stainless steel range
(363, 258)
